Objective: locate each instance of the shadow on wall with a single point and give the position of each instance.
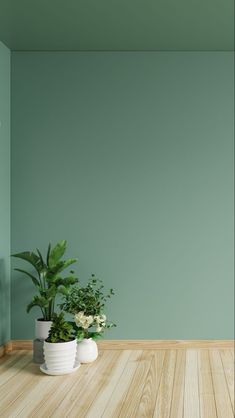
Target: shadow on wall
(3, 302)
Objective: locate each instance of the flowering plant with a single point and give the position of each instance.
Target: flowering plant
(86, 304)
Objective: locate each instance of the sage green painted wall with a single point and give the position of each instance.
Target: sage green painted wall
(118, 25)
(129, 156)
(4, 193)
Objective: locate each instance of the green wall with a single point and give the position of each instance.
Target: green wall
(129, 156)
(147, 25)
(4, 193)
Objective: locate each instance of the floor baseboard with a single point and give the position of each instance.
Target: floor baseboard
(140, 344)
(5, 348)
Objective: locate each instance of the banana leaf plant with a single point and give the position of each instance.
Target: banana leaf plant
(47, 277)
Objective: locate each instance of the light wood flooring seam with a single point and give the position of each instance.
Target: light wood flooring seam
(173, 385)
(226, 379)
(212, 384)
(160, 378)
(116, 385)
(199, 401)
(183, 384)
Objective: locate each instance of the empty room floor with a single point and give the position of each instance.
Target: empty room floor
(168, 383)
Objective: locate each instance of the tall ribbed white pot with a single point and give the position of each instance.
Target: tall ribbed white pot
(42, 329)
(87, 351)
(60, 357)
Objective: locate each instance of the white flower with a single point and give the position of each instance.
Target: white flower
(82, 320)
(97, 319)
(100, 319)
(87, 321)
(103, 318)
(78, 317)
(99, 328)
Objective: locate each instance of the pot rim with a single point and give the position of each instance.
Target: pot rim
(42, 320)
(60, 344)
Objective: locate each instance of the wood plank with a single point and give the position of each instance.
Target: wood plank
(232, 353)
(19, 363)
(9, 359)
(164, 396)
(46, 404)
(222, 398)
(98, 406)
(40, 386)
(144, 344)
(149, 395)
(191, 393)
(228, 366)
(206, 390)
(133, 395)
(177, 403)
(124, 384)
(114, 406)
(101, 380)
(18, 388)
(72, 404)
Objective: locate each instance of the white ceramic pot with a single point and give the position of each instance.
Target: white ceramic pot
(60, 357)
(87, 351)
(42, 329)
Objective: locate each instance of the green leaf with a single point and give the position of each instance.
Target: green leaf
(38, 301)
(34, 280)
(48, 254)
(65, 281)
(63, 290)
(80, 335)
(57, 252)
(68, 263)
(60, 330)
(95, 335)
(31, 257)
(41, 259)
(59, 267)
(51, 292)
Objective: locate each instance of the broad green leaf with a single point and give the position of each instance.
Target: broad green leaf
(38, 301)
(65, 281)
(57, 252)
(31, 257)
(67, 263)
(59, 267)
(35, 281)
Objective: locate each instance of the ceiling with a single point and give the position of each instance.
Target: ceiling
(117, 24)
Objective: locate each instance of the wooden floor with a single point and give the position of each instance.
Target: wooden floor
(123, 383)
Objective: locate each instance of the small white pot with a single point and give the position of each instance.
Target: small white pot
(87, 351)
(42, 329)
(60, 357)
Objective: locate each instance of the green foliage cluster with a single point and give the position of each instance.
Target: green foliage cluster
(90, 299)
(48, 280)
(61, 330)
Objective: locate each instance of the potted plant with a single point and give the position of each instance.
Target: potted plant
(48, 282)
(86, 304)
(60, 347)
